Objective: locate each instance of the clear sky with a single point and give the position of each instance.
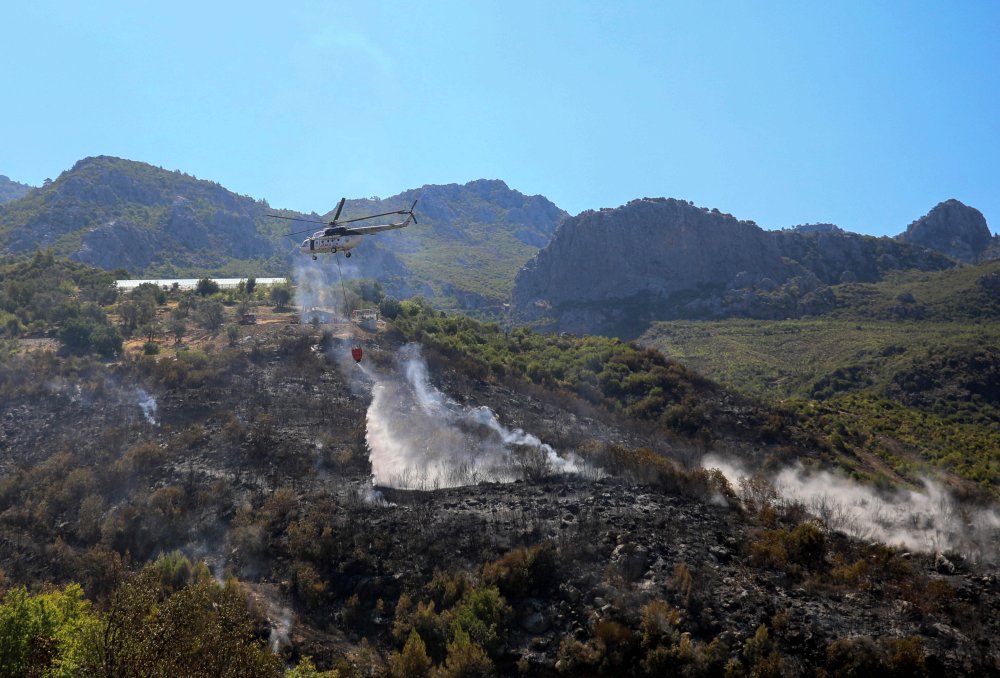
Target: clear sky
(861, 113)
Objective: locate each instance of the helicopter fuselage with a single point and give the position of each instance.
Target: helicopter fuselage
(320, 243)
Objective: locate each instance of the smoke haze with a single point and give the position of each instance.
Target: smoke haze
(928, 520)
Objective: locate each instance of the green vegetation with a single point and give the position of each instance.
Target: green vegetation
(964, 294)
(912, 394)
(620, 377)
(483, 262)
(141, 199)
(170, 618)
(45, 295)
(906, 371)
(811, 357)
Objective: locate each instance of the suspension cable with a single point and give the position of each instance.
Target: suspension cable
(343, 287)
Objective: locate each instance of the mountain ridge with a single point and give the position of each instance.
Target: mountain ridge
(116, 213)
(12, 190)
(474, 238)
(667, 258)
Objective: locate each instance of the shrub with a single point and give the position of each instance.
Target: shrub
(206, 287)
(465, 659)
(659, 623)
(44, 634)
(523, 571)
(484, 615)
(413, 661)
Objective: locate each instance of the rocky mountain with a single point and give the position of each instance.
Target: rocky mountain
(469, 243)
(614, 270)
(12, 190)
(954, 229)
(115, 213)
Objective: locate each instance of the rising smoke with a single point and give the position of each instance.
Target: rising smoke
(146, 403)
(419, 438)
(319, 284)
(106, 393)
(928, 520)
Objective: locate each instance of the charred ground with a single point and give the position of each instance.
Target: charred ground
(255, 462)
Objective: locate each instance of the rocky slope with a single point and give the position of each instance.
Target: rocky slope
(954, 229)
(12, 190)
(115, 213)
(613, 271)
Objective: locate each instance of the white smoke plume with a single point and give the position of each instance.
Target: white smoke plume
(106, 393)
(419, 438)
(281, 627)
(928, 520)
(147, 404)
(319, 285)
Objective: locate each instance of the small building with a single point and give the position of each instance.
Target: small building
(366, 317)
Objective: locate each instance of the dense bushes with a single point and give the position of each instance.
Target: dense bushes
(620, 377)
(171, 618)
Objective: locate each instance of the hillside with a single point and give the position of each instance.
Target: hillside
(562, 522)
(469, 242)
(615, 271)
(116, 213)
(12, 190)
(906, 368)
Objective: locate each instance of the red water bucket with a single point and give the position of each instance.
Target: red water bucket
(356, 354)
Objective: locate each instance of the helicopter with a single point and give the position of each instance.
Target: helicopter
(337, 238)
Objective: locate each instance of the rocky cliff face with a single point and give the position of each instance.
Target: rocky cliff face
(954, 229)
(650, 258)
(613, 271)
(836, 256)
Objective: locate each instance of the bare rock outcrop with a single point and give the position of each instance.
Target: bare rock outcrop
(615, 270)
(954, 229)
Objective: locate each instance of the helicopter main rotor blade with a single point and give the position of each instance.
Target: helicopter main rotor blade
(373, 216)
(311, 221)
(339, 208)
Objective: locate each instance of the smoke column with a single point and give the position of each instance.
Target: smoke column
(419, 438)
(147, 404)
(318, 284)
(928, 520)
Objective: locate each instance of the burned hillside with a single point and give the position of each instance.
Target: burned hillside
(255, 460)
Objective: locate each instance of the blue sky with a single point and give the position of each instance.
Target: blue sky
(864, 114)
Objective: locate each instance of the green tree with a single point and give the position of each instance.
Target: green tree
(281, 294)
(211, 315)
(206, 287)
(413, 661)
(466, 659)
(202, 629)
(44, 634)
(106, 340)
(76, 333)
(177, 327)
